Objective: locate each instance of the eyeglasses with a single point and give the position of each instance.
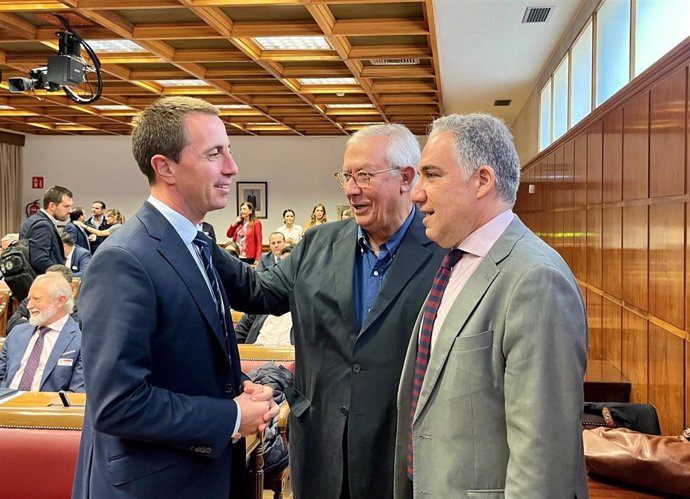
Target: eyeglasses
(362, 179)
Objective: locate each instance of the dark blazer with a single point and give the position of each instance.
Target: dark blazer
(63, 369)
(79, 235)
(267, 260)
(249, 328)
(45, 245)
(346, 378)
(159, 378)
(208, 229)
(80, 261)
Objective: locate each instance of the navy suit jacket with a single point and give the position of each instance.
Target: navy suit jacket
(45, 245)
(80, 261)
(79, 235)
(63, 369)
(160, 378)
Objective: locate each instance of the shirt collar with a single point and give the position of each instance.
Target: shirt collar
(393, 242)
(58, 324)
(182, 225)
(482, 240)
(55, 222)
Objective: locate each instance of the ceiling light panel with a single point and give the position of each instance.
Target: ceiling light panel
(233, 106)
(349, 106)
(327, 81)
(182, 83)
(115, 46)
(292, 43)
(113, 107)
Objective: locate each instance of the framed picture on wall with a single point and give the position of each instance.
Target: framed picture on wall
(255, 193)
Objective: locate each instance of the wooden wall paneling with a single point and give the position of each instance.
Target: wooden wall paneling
(557, 240)
(687, 384)
(635, 363)
(540, 187)
(594, 257)
(613, 156)
(667, 135)
(667, 378)
(635, 253)
(594, 168)
(568, 174)
(579, 266)
(521, 200)
(612, 250)
(636, 148)
(568, 237)
(580, 170)
(596, 344)
(611, 326)
(667, 262)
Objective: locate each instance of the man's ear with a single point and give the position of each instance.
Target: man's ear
(486, 180)
(164, 168)
(408, 174)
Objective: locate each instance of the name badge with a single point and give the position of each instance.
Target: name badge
(65, 362)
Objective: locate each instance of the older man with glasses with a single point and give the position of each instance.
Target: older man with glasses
(354, 288)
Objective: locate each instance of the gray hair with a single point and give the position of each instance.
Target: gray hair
(482, 139)
(402, 148)
(58, 286)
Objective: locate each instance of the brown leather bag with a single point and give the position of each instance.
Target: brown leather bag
(650, 461)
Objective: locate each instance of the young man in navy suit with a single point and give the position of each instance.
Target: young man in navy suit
(45, 354)
(76, 258)
(167, 403)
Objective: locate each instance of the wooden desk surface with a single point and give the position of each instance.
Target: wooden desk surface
(43, 410)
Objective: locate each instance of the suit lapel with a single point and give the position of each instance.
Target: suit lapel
(173, 249)
(468, 299)
(22, 344)
(63, 341)
(406, 263)
(343, 273)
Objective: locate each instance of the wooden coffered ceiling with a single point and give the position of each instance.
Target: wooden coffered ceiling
(213, 42)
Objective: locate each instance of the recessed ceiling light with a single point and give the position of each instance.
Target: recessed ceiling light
(115, 46)
(233, 106)
(6, 107)
(327, 81)
(412, 61)
(349, 106)
(292, 42)
(264, 123)
(182, 83)
(364, 123)
(112, 107)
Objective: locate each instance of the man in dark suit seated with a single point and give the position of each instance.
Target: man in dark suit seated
(21, 315)
(45, 355)
(76, 257)
(276, 242)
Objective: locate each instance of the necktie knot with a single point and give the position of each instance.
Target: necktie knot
(452, 258)
(43, 330)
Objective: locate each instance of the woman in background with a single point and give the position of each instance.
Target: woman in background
(292, 232)
(246, 232)
(347, 213)
(318, 217)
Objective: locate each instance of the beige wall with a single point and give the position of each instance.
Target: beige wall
(299, 172)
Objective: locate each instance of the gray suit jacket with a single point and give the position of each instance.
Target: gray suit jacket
(499, 410)
(63, 369)
(346, 377)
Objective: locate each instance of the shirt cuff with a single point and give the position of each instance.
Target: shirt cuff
(238, 421)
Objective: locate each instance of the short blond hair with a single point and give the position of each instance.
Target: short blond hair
(160, 129)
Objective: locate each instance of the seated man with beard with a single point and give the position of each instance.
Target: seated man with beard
(45, 354)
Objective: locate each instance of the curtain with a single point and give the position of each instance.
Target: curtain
(10, 188)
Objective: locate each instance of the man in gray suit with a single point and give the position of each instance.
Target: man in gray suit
(354, 288)
(492, 388)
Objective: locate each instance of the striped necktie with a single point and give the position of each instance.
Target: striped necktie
(424, 345)
(33, 361)
(201, 243)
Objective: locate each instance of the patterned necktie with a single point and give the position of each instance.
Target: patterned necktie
(424, 346)
(33, 361)
(205, 252)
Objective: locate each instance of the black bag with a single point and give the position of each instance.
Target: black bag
(638, 417)
(16, 268)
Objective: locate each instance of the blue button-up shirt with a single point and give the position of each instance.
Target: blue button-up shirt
(371, 269)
